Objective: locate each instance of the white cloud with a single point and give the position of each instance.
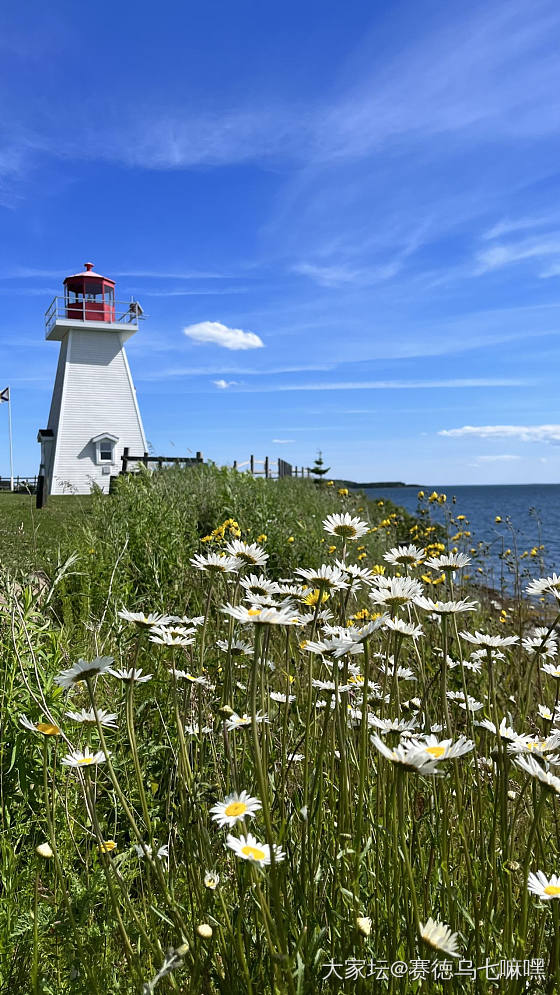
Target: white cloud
(214, 333)
(525, 433)
(499, 458)
(224, 384)
(283, 442)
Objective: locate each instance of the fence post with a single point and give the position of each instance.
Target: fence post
(126, 451)
(252, 465)
(41, 499)
(234, 464)
(145, 459)
(266, 468)
(199, 458)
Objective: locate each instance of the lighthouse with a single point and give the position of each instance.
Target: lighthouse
(94, 413)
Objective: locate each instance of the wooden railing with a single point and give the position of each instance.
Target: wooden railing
(160, 461)
(21, 484)
(271, 469)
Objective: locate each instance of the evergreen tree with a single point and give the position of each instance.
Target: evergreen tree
(318, 469)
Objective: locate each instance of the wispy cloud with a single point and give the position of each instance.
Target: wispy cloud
(525, 433)
(282, 442)
(214, 333)
(394, 385)
(499, 458)
(200, 292)
(531, 248)
(509, 225)
(343, 275)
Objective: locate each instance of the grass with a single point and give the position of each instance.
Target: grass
(28, 538)
(354, 851)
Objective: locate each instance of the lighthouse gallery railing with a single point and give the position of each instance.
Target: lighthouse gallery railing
(121, 312)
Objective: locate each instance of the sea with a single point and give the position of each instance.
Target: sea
(530, 516)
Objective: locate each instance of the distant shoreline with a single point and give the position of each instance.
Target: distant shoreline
(374, 483)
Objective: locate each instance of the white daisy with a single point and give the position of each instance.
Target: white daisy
(167, 638)
(487, 641)
(439, 936)
(545, 888)
(162, 853)
(259, 586)
(356, 573)
(549, 668)
(404, 628)
(531, 766)
(211, 880)
(395, 592)
(245, 552)
(443, 749)
(87, 717)
(506, 731)
(215, 563)
(446, 607)
(404, 556)
(261, 616)
(325, 578)
(532, 744)
(448, 562)
(86, 759)
(545, 585)
(144, 621)
(469, 703)
(236, 721)
(282, 698)
(235, 808)
(236, 648)
(410, 759)
(392, 725)
(249, 848)
(345, 527)
(82, 669)
(134, 674)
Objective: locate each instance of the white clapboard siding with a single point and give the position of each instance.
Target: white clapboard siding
(93, 394)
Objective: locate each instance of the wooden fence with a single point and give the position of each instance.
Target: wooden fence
(146, 459)
(23, 485)
(271, 469)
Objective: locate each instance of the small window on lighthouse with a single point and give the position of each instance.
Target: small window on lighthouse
(105, 448)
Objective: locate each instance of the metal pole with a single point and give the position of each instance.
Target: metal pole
(10, 433)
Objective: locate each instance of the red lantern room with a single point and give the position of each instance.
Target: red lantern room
(89, 296)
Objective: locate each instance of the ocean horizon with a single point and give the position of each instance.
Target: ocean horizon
(530, 516)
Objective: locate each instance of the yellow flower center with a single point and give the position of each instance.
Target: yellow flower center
(552, 889)
(252, 851)
(236, 808)
(48, 729)
(436, 751)
(254, 611)
(85, 760)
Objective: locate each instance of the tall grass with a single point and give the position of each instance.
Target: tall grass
(143, 890)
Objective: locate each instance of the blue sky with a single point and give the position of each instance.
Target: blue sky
(343, 221)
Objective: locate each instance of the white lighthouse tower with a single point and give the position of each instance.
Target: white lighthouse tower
(94, 413)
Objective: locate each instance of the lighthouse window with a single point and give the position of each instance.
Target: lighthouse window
(93, 291)
(106, 452)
